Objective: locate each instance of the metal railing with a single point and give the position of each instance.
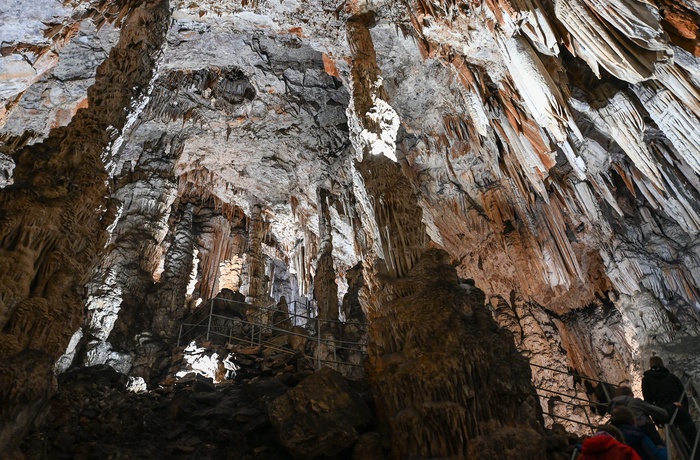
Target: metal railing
(574, 401)
(673, 437)
(255, 326)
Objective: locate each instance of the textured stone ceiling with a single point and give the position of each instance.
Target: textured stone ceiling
(520, 124)
(552, 148)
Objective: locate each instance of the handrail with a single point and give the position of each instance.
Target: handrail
(672, 437)
(594, 403)
(572, 374)
(257, 320)
(572, 404)
(290, 332)
(286, 351)
(691, 397)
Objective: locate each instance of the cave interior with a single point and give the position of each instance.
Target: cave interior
(496, 203)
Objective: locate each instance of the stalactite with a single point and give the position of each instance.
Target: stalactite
(402, 233)
(627, 39)
(212, 258)
(623, 37)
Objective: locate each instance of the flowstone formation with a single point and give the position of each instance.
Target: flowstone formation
(447, 380)
(53, 223)
(153, 154)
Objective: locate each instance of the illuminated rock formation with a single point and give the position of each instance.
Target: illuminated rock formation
(550, 148)
(55, 216)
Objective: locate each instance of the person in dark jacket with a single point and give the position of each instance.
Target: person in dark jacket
(635, 437)
(643, 411)
(607, 444)
(663, 389)
(660, 387)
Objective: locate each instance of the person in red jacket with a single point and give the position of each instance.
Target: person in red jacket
(606, 445)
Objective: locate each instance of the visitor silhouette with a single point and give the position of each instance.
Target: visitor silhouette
(643, 411)
(663, 389)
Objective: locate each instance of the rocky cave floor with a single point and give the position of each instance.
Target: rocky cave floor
(94, 416)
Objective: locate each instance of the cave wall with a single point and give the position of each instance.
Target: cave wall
(549, 147)
(54, 221)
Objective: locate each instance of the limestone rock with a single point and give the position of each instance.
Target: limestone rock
(446, 380)
(320, 417)
(155, 153)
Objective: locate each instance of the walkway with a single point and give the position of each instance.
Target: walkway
(270, 327)
(678, 449)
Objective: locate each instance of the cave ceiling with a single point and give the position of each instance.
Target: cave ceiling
(553, 145)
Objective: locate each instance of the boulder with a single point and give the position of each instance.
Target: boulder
(320, 417)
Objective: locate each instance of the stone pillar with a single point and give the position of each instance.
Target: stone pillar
(257, 286)
(325, 286)
(116, 307)
(256, 264)
(447, 381)
(52, 223)
(167, 298)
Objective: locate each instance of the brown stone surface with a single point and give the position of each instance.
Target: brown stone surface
(320, 417)
(447, 381)
(52, 227)
(551, 148)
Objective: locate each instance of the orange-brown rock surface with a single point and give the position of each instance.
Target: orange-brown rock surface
(446, 380)
(53, 222)
(551, 148)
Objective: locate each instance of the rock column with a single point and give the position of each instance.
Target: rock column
(447, 382)
(325, 287)
(53, 221)
(168, 297)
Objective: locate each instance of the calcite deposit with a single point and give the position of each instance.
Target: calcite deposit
(366, 160)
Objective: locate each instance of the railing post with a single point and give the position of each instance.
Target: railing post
(695, 445)
(211, 312)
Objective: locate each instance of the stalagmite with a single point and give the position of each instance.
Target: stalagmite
(168, 295)
(325, 287)
(257, 292)
(116, 292)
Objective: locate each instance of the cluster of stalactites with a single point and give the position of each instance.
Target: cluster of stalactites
(396, 214)
(557, 137)
(223, 245)
(628, 40)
